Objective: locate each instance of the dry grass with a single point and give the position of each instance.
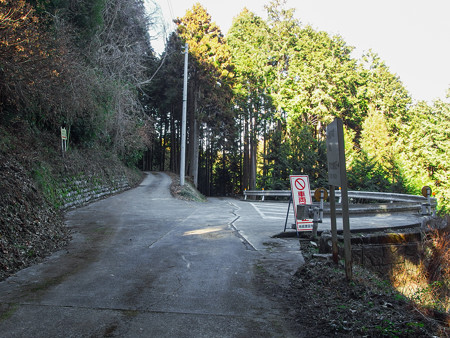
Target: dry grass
(427, 282)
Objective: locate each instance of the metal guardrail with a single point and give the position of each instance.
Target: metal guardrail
(392, 202)
(361, 195)
(264, 193)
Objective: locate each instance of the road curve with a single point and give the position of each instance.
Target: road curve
(143, 264)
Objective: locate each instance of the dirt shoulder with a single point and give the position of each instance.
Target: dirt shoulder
(320, 302)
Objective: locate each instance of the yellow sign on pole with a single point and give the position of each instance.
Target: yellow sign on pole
(426, 191)
(318, 192)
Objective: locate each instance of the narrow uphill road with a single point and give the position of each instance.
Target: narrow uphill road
(143, 264)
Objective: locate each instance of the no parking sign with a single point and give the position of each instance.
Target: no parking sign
(301, 194)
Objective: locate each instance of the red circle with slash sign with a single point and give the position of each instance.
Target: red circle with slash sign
(300, 184)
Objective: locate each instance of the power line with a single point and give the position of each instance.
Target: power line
(170, 10)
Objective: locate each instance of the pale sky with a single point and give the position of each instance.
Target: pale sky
(411, 36)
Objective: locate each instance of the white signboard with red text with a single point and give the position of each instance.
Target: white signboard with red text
(301, 194)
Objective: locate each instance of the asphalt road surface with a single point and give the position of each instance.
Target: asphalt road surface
(143, 264)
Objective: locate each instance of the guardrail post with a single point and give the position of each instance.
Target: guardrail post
(426, 207)
(322, 195)
(319, 195)
(316, 221)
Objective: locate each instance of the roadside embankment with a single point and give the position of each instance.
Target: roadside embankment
(37, 184)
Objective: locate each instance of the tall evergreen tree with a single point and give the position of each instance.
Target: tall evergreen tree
(209, 80)
(383, 91)
(423, 149)
(249, 41)
(163, 97)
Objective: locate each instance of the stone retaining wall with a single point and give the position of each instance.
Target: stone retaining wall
(379, 252)
(78, 192)
(383, 257)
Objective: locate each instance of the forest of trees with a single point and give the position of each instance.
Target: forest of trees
(259, 98)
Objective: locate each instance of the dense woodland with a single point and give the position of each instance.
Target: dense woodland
(259, 98)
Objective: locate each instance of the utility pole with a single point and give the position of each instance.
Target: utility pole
(183, 120)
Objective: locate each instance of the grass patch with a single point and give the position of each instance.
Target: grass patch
(190, 193)
(47, 183)
(186, 192)
(11, 309)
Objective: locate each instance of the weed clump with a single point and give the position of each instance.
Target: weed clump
(427, 282)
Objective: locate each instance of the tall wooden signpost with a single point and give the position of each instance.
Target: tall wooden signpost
(337, 177)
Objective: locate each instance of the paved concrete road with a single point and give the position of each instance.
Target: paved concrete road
(143, 264)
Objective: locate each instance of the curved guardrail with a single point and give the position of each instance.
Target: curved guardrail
(378, 196)
(395, 202)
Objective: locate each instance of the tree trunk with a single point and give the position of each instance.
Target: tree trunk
(161, 148)
(195, 154)
(246, 164)
(253, 151)
(265, 150)
(224, 168)
(193, 143)
(211, 167)
(174, 167)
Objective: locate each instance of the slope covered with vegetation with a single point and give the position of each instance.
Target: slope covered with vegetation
(37, 184)
(67, 64)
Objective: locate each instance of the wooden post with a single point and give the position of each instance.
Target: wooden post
(337, 176)
(335, 249)
(347, 235)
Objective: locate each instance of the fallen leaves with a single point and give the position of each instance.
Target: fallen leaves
(29, 228)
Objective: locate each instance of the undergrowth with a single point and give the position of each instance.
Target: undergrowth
(427, 281)
(187, 191)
